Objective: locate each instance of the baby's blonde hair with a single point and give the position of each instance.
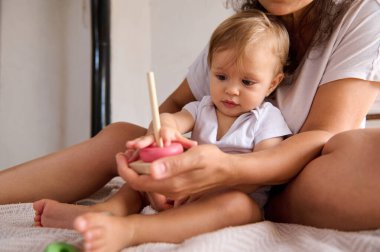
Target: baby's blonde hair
(245, 28)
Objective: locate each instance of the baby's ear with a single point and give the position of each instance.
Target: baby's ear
(275, 82)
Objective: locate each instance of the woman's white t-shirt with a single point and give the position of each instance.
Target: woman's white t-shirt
(353, 51)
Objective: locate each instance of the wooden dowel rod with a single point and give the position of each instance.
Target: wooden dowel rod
(154, 109)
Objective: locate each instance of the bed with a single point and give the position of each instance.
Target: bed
(17, 233)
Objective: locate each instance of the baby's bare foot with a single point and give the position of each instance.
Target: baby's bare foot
(102, 232)
(51, 213)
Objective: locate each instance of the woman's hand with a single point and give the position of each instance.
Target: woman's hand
(201, 169)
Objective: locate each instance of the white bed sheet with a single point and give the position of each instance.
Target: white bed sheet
(18, 234)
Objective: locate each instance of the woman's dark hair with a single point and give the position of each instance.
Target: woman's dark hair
(319, 19)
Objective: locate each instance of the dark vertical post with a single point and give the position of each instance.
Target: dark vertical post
(100, 93)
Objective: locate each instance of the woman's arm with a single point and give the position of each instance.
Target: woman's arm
(338, 106)
(181, 96)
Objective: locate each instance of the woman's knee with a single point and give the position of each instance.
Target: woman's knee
(353, 140)
(121, 130)
(319, 195)
(111, 140)
(351, 149)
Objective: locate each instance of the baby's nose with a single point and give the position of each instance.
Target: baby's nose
(232, 89)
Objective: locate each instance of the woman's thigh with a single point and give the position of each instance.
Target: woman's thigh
(340, 189)
(69, 174)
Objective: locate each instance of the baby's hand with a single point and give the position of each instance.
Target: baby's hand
(140, 142)
(170, 135)
(133, 147)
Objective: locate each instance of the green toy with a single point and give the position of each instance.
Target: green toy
(60, 247)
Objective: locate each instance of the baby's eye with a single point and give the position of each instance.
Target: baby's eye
(221, 77)
(247, 82)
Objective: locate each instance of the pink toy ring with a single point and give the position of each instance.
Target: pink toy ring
(151, 153)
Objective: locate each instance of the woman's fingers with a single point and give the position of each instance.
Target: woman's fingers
(134, 180)
(142, 182)
(172, 166)
(129, 175)
(122, 167)
(193, 159)
(131, 155)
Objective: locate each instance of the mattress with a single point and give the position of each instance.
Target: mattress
(17, 233)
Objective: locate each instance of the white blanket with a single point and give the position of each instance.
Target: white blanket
(18, 234)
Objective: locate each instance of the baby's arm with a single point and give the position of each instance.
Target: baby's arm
(174, 125)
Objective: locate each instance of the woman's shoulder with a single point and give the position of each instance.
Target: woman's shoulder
(365, 12)
(198, 75)
(353, 51)
(370, 4)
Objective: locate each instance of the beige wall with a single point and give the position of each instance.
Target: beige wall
(131, 50)
(44, 77)
(180, 30)
(164, 36)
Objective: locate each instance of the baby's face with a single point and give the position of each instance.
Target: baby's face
(239, 88)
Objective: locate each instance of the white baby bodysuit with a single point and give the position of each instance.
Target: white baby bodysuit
(248, 129)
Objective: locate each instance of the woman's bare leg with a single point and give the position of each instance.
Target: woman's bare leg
(70, 174)
(108, 233)
(338, 190)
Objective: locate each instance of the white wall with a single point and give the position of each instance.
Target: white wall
(44, 77)
(75, 119)
(180, 30)
(160, 35)
(373, 124)
(130, 56)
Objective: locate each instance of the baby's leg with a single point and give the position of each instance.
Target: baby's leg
(109, 233)
(51, 213)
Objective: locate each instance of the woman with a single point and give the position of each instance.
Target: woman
(335, 60)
